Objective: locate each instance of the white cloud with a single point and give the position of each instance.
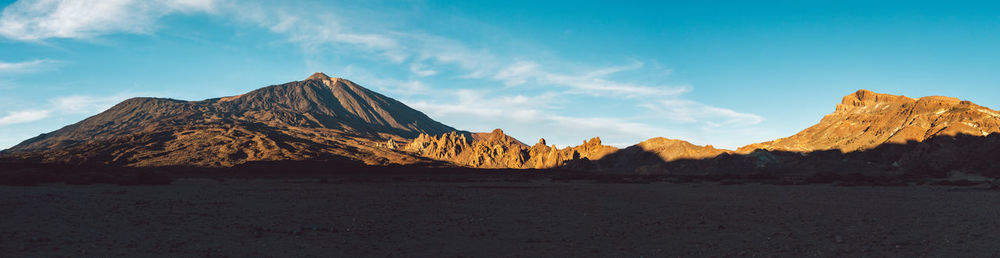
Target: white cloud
(419, 70)
(384, 84)
(477, 103)
(84, 104)
(67, 105)
(23, 116)
(23, 67)
(530, 117)
(687, 111)
(590, 83)
(518, 73)
(33, 20)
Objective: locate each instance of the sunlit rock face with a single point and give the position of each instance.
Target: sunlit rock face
(864, 120)
(498, 150)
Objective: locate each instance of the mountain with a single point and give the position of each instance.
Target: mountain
(864, 120)
(317, 118)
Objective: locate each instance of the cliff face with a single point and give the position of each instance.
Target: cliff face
(864, 120)
(318, 118)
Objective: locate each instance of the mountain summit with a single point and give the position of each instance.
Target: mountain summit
(318, 76)
(311, 119)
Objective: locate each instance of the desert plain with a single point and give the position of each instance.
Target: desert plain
(496, 216)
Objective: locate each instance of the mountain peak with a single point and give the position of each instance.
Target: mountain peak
(318, 76)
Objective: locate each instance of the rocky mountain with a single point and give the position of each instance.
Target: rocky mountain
(317, 118)
(864, 120)
(498, 150)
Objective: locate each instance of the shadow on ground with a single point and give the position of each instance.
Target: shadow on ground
(940, 159)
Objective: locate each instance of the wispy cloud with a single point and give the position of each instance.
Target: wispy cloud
(66, 105)
(81, 104)
(24, 67)
(23, 116)
(419, 70)
(590, 82)
(383, 83)
(688, 111)
(34, 20)
(530, 115)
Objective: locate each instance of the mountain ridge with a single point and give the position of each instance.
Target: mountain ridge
(327, 118)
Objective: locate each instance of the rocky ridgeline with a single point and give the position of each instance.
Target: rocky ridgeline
(498, 150)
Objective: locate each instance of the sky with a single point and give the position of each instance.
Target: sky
(725, 73)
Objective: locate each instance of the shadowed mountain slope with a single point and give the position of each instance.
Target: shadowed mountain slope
(318, 118)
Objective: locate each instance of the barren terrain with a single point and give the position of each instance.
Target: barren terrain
(538, 217)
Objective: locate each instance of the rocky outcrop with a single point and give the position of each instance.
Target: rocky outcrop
(498, 150)
(864, 120)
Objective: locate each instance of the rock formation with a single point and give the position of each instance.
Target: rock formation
(865, 120)
(498, 150)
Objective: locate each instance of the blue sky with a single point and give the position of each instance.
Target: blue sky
(726, 73)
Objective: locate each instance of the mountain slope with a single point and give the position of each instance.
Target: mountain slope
(318, 118)
(864, 120)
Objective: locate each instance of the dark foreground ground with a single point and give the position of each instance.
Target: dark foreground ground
(535, 218)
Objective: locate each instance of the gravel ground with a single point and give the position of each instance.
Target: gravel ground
(275, 217)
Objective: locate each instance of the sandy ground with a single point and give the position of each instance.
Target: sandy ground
(274, 217)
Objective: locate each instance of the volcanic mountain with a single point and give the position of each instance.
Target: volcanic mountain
(315, 119)
(864, 120)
